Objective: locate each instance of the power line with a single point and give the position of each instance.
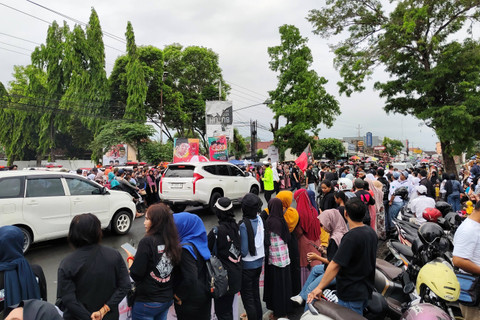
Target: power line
(11, 45)
(9, 35)
(15, 51)
(249, 99)
(110, 35)
(28, 14)
(260, 94)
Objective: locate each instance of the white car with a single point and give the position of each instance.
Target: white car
(202, 183)
(43, 203)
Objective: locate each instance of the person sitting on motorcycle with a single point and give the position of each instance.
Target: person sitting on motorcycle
(353, 265)
(420, 203)
(334, 224)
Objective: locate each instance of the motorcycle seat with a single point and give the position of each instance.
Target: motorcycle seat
(336, 311)
(388, 269)
(405, 250)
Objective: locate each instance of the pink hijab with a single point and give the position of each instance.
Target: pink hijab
(308, 215)
(332, 221)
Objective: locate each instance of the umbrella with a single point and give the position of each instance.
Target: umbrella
(371, 159)
(198, 159)
(237, 162)
(424, 160)
(355, 157)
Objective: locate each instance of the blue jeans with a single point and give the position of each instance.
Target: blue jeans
(316, 275)
(357, 306)
(454, 201)
(393, 213)
(150, 310)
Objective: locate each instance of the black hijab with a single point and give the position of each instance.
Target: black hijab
(226, 219)
(251, 205)
(276, 222)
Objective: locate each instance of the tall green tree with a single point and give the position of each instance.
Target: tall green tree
(136, 86)
(300, 96)
(392, 146)
(433, 76)
(237, 147)
(331, 148)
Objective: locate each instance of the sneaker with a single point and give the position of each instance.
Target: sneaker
(297, 299)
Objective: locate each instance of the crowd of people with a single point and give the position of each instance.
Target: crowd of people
(328, 239)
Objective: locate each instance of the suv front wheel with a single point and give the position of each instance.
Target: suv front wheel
(213, 199)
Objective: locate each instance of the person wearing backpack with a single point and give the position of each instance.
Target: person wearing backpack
(224, 243)
(153, 266)
(191, 294)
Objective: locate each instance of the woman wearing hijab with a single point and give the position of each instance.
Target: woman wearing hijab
(252, 237)
(151, 187)
(334, 224)
(307, 231)
(291, 217)
(112, 182)
(17, 280)
(224, 243)
(192, 297)
(278, 286)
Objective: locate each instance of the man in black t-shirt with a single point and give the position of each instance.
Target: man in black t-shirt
(295, 178)
(354, 263)
(310, 182)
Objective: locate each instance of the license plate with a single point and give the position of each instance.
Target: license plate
(176, 185)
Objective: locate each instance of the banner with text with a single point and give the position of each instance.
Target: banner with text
(219, 119)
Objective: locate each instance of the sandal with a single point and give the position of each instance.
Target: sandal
(139, 214)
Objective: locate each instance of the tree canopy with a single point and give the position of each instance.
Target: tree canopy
(392, 146)
(433, 75)
(331, 148)
(300, 96)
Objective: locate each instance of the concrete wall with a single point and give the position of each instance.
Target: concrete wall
(67, 164)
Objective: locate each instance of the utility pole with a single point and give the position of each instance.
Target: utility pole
(219, 89)
(164, 76)
(358, 128)
(253, 139)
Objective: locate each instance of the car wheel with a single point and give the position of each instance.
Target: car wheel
(254, 190)
(213, 199)
(122, 222)
(27, 239)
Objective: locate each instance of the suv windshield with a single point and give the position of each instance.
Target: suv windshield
(179, 171)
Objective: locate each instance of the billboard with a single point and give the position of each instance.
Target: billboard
(219, 119)
(369, 139)
(218, 148)
(116, 154)
(184, 149)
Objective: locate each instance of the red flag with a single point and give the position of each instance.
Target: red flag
(305, 158)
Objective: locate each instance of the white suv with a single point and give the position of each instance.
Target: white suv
(43, 203)
(202, 183)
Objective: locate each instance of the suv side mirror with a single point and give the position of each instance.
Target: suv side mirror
(247, 174)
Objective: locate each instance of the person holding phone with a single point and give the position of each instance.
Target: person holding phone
(153, 266)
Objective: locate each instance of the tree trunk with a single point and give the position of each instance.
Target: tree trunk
(39, 160)
(448, 161)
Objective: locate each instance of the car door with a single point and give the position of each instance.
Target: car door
(11, 200)
(46, 207)
(240, 186)
(225, 180)
(86, 197)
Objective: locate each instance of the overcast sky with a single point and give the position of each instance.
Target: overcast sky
(239, 31)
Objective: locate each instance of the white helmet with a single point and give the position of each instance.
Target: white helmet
(345, 184)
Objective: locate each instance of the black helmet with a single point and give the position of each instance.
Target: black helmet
(417, 246)
(402, 192)
(444, 207)
(430, 232)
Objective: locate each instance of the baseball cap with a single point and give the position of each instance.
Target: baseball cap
(396, 175)
(405, 173)
(359, 183)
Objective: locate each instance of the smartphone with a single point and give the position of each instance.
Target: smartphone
(312, 309)
(129, 248)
